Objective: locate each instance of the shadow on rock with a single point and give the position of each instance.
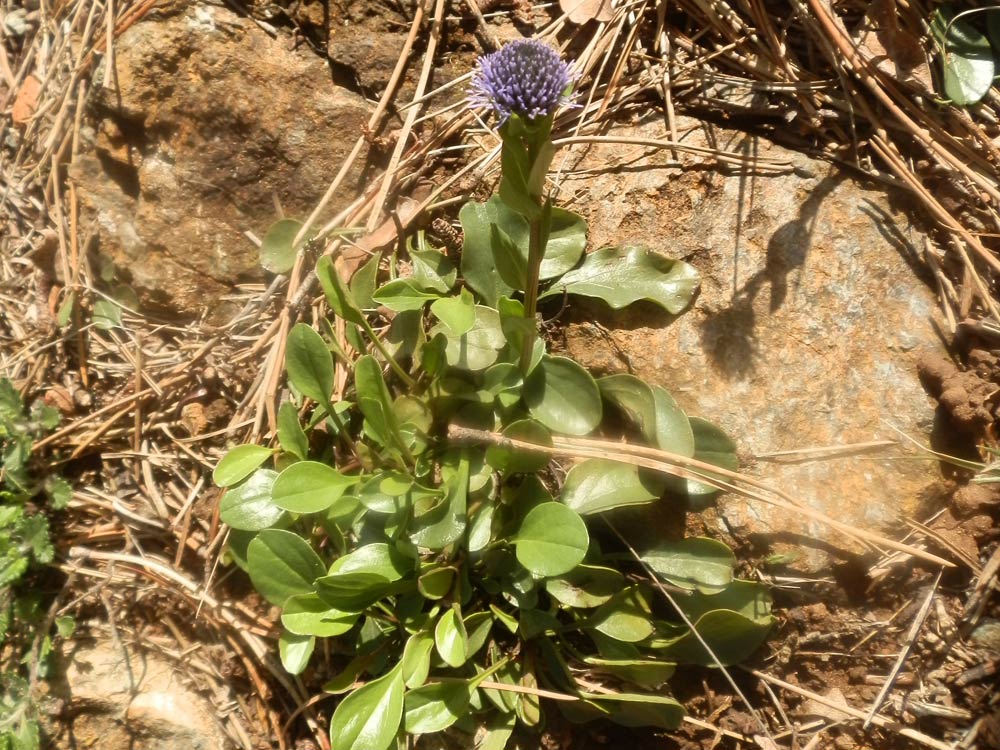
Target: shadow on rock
(728, 334)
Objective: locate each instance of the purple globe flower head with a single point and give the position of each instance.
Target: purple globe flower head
(526, 77)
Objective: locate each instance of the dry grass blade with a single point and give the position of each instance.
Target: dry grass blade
(690, 468)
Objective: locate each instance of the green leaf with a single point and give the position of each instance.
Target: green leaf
(747, 598)
(369, 718)
(417, 659)
(509, 460)
(647, 673)
(249, 506)
(295, 651)
(585, 586)
(345, 679)
(310, 487)
(108, 310)
(451, 639)
(308, 614)
(446, 524)
(635, 710)
(402, 295)
(386, 492)
(436, 583)
(11, 405)
(282, 564)
(65, 626)
(967, 60)
(694, 563)
(480, 346)
(457, 312)
(623, 275)
(363, 281)
(309, 364)
(374, 400)
(552, 540)
(433, 270)
(480, 528)
(277, 251)
(60, 492)
(433, 708)
(478, 625)
(478, 266)
(339, 297)
(651, 409)
(35, 535)
(731, 636)
(511, 262)
(352, 592)
(498, 730)
(563, 396)
(598, 485)
(625, 617)
(65, 312)
(567, 241)
(378, 558)
(713, 446)
(406, 334)
(291, 436)
(239, 463)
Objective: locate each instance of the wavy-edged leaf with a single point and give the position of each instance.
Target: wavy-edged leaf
(623, 275)
(445, 524)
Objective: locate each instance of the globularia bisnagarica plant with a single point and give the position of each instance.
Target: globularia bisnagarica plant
(454, 573)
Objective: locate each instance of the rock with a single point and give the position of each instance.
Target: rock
(805, 334)
(212, 123)
(975, 498)
(111, 704)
